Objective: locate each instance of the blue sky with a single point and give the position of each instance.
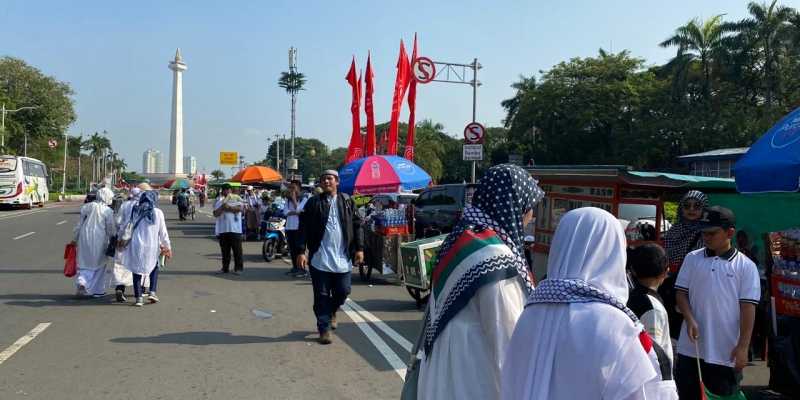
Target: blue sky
(115, 56)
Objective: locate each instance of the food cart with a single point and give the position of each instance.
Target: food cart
(417, 260)
(636, 198)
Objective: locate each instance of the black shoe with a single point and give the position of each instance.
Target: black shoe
(221, 271)
(325, 338)
(121, 296)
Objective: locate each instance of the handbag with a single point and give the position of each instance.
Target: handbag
(70, 260)
(111, 250)
(412, 373)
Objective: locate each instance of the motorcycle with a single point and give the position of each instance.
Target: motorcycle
(274, 239)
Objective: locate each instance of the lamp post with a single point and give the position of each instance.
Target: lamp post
(4, 111)
(64, 176)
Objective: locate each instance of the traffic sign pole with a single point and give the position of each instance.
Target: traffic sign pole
(474, 101)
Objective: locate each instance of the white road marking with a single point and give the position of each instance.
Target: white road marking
(62, 222)
(20, 214)
(403, 342)
(387, 353)
(24, 235)
(7, 353)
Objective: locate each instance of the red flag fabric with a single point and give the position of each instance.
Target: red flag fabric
(400, 87)
(368, 108)
(412, 104)
(355, 149)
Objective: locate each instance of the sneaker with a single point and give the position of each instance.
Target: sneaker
(237, 273)
(334, 324)
(98, 296)
(221, 271)
(121, 296)
(325, 338)
(153, 299)
(293, 271)
(139, 302)
(302, 274)
(81, 292)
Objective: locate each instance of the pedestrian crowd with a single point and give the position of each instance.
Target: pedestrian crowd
(606, 322)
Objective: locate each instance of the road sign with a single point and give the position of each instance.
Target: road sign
(473, 152)
(424, 70)
(228, 158)
(474, 133)
(52, 143)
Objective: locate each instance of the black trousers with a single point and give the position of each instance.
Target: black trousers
(228, 242)
(330, 292)
(719, 379)
(292, 238)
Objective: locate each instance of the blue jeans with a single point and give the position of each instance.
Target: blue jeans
(330, 292)
(137, 282)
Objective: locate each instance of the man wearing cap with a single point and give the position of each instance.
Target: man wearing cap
(228, 228)
(330, 230)
(717, 291)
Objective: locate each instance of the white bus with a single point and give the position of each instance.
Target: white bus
(23, 182)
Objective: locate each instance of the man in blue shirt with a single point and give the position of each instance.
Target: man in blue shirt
(330, 229)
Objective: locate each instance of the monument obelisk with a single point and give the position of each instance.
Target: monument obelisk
(176, 132)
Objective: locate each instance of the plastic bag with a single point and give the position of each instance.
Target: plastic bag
(70, 260)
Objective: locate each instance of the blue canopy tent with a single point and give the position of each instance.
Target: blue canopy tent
(773, 163)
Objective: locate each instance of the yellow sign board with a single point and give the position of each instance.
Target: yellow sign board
(228, 158)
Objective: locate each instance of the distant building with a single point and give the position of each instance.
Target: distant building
(152, 162)
(715, 163)
(189, 165)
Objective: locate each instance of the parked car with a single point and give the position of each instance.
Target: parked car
(438, 208)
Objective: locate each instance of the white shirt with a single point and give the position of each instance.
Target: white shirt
(332, 255)
(228, 222)
(656, 323)
(716, 286)
(293, 221)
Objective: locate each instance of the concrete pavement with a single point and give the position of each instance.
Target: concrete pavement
(211, 337)
(207, 339)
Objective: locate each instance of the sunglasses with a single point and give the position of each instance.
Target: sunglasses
(692, 206)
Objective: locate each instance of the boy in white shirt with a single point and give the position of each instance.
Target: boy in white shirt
(717, 291)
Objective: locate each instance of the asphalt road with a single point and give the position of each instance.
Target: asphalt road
(211, 337)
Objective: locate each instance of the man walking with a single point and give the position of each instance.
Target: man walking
(228, 210)
(330, 229)
(717, 291)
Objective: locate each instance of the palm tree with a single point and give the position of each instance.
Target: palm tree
(525, 86)
(217, 174)
(700, 42)
(770, 26)
(293, 82)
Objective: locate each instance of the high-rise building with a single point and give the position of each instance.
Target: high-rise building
(152, 162)
(189, 165)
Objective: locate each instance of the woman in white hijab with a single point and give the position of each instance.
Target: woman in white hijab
(576, 339)
(92, 233)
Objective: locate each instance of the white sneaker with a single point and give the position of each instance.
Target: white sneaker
(139, 302)
(153, 299)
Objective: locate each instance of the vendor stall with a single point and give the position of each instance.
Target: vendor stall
(770, 172)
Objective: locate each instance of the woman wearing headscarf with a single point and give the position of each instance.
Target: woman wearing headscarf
(478, 291)
(143, 238)
(683, 237)
(121, 276)
(92, 233)
(576, 338)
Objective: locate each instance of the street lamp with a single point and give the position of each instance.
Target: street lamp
(64, 176)
(4, 111)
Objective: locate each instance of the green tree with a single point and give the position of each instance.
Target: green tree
(217, 174)
(23, 85)
(700, 44)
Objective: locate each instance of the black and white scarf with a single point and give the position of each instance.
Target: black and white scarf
(684, 236)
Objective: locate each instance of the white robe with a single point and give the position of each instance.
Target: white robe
(93, 231)
(468, 354)
(566, 351)
(120, 275)
(140, 256)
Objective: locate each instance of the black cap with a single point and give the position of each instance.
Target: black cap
(717, 217)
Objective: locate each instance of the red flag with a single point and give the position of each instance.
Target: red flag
(368, 107)
(412, 104)
(355, 150)
(400, 86)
